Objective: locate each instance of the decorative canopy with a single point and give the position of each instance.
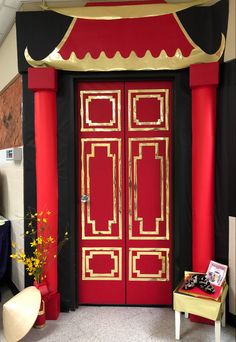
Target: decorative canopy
(145, 42)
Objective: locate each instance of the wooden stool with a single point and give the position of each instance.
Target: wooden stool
(207, 308)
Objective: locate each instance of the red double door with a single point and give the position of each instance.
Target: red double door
(124, 202)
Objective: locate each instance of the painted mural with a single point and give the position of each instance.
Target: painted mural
(10, 115)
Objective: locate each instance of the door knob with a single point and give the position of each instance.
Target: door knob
(84, 198)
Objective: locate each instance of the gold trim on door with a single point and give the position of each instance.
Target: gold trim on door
(162, 95)
(86, 97)
(117, 189)
(140, 219)
(148, 123)
(133, 187)
(114, 252)
(109, 155)
(161, 253)
(96, 97)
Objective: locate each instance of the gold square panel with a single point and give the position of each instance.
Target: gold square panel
(113, 99)
(90, 253)
(135, 96)
(162, 257)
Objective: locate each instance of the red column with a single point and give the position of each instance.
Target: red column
(203, 81)
(43, 81)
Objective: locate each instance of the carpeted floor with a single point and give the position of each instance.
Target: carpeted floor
(119, 324)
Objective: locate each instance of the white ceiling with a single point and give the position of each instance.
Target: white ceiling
(8, 9)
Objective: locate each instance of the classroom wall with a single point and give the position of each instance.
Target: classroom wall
(11, 173)
(11, 207)
(230, 50)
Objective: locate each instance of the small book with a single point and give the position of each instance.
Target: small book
(216, 273)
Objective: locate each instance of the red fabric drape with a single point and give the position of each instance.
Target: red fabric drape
(203, 81)
(43, 82)
(203, 175)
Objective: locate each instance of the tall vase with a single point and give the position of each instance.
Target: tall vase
(41, 319)
(42, 287)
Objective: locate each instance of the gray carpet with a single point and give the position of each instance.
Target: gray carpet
(120, 324)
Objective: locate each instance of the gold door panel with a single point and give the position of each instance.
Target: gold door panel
(148, 109)
(101, 182)
(156, 258)
(100, 110)
(101, 263)
(148, 188)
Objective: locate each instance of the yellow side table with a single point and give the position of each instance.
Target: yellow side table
(207, 308)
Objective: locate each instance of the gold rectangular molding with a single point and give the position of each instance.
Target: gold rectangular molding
(133, 187)
(97, 97)
(161, 253)
(117, 189)
(161, 95)
(86, 97)
(158, 97)
(88, 253)
(114, 220)
(140, 219)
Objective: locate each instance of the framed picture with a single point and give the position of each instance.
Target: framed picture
(216, 273)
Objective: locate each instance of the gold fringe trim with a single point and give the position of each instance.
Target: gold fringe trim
(133, 62)
(126, 11)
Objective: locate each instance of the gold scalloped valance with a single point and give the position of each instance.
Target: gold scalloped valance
(125, 11)
(112, 45)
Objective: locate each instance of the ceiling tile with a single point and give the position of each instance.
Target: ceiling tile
(13, 3)
(7, 16)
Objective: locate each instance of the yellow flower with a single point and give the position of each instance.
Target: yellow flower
(36, 262)
(33, 243)
(13, 244)
(40, 240)
(50, 239)
(14, 256)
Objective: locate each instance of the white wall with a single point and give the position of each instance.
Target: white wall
(230, 50)
(11, 173)
(12, 207)
(8, 59)
(232, 265)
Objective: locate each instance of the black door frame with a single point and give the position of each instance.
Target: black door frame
(68, 165)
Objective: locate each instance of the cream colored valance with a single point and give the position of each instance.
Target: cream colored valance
(125, 11)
